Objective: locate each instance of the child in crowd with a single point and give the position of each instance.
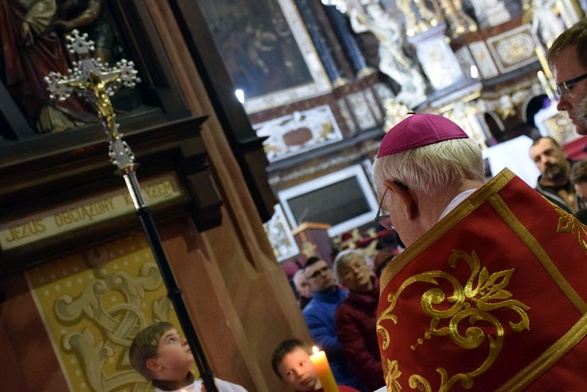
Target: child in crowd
(163, 357)
(291, 363)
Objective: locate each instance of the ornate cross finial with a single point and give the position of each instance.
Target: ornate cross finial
(96, 82)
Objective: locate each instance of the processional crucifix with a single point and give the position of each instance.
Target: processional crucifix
(96, 82)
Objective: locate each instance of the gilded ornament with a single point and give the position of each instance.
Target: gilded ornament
(469, 304)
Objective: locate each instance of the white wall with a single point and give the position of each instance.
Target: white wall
(515, 155)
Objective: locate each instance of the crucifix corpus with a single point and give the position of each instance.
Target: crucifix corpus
(96, 82)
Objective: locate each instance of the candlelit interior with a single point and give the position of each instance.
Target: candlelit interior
(254, 126)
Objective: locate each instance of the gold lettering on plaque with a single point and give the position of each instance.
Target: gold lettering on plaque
(83, 213)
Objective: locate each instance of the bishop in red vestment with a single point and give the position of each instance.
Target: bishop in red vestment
(490, 293)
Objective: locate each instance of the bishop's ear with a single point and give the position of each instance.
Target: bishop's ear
(404, 200)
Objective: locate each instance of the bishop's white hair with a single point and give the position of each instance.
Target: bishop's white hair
(431, 168)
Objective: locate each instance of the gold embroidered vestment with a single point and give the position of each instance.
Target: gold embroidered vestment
(493, 297)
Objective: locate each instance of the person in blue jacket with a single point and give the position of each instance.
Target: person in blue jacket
(319, 316)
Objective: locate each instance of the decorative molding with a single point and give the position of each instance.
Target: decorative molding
(483, 59)
(361, 109)
(84, 212)
(551, 122)
(325, 164)
(280, 235)
(61, 172)
(298, 132)
(345, 111)
(514, 48)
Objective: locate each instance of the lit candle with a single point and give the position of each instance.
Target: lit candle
(323, 370)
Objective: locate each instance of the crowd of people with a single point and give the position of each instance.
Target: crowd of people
(339, 304)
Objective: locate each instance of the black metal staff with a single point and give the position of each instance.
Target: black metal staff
(97, 82)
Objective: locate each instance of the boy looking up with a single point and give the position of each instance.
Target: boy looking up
(163, 357)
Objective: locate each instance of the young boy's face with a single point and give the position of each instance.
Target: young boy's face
(174, 354)
(297, 370)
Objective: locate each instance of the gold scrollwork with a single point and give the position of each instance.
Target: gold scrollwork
(567, 223)
(471, 303)
(113, 323)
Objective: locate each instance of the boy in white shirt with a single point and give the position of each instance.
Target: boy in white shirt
(163, 357)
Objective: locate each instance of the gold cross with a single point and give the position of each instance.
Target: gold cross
(96, 82)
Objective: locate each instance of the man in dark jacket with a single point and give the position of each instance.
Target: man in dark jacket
(554, 183)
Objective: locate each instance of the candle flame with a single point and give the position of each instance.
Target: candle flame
(315, 350)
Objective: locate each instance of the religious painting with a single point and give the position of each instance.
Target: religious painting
(35, 43)
(33, 46)
(267, 51)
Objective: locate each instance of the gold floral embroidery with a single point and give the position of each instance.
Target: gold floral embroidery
(567, 223)
(471, 303)
(392, 373)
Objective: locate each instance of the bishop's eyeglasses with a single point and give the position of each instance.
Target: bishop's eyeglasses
(383, 216)
(564, 88)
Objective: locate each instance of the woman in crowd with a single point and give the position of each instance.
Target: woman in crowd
(356, 317)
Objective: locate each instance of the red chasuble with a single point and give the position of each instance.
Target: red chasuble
(492, 298)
